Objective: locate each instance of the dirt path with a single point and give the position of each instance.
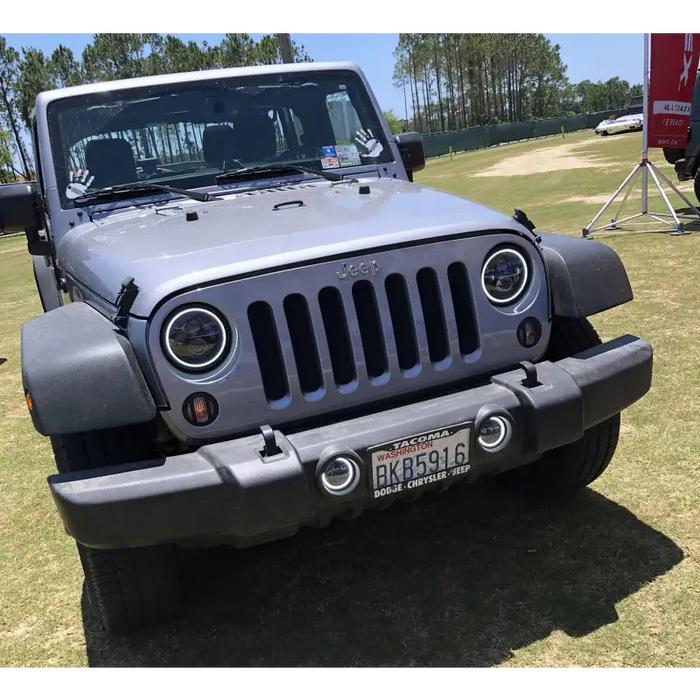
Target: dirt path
(566, 156)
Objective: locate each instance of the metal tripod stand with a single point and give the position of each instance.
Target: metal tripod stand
(645, 167)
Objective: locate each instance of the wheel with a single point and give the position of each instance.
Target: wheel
(127, 588)
(563, 471)
(673, 154)
(696, 184)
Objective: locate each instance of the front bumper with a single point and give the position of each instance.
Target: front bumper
(228, 492)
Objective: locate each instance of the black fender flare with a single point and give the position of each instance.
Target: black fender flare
(585, 276)
(45, 283)
(81, 373)
(692, 164)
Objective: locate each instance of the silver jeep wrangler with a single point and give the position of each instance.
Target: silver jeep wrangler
(256, 321)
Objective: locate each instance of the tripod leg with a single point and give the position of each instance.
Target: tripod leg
(676, 190)
(589, 228)
(679, 225)
(627, 194)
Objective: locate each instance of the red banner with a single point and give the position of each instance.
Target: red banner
(674, 64)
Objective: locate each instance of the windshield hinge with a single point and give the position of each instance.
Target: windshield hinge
(521, 217)
(125, 300)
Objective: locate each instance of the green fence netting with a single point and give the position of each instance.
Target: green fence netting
(438, 144)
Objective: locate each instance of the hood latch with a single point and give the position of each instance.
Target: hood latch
(125, 300)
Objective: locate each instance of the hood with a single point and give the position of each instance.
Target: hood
(175, 245)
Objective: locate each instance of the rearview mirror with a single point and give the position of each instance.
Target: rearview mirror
(411, 150)
(20, 210)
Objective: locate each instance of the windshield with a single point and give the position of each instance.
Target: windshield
(186, 134)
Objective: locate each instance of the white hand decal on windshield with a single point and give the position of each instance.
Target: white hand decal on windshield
(366, 140)
(79, 183)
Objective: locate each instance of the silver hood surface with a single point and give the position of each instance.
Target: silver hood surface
(244, 233)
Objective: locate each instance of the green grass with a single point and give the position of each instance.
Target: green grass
(471, 577)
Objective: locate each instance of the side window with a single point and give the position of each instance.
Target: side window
(280, 139)
(298, 126)
(343, 117)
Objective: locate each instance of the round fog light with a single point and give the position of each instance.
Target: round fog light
(529, 332)
(494, 434)
(339, 476)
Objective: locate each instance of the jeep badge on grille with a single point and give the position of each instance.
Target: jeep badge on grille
(372, 267)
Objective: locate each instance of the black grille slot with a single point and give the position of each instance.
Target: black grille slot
(301, 334)
(268, 349)
(371, 331)
(402, 321)
(337, 334)
(433, 314)
(464, 308)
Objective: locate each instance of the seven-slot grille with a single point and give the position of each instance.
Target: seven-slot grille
(369, 328)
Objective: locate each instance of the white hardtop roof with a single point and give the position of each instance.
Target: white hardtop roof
(44, 98)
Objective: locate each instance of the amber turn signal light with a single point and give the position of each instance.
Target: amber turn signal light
(529, 332)
(200, 409)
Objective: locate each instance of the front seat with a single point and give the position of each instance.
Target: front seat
(218, 144)
(111, 162)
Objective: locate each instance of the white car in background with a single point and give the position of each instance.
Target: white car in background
(630, 122)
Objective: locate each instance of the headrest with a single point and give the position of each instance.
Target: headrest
(218, 144)
(255, 137)
(111, 162)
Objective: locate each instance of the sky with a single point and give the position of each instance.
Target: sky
(592, 56)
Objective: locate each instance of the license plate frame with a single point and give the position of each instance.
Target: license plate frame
(415, 472)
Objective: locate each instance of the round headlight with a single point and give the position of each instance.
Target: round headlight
(504, 276)
(196, 339)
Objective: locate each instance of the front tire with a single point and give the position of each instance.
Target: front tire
(565, 470)
(696, 184)
(127, 588)
(673, 154)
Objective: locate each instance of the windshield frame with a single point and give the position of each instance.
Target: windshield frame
(206, 179)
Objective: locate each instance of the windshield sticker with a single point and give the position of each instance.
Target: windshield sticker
(371, 145)
(348, 155)
(330, 158)
(79, 183)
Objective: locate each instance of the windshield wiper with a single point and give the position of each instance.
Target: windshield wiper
(274, 169)
(108, 193)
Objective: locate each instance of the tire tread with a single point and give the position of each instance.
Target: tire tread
(127, 588)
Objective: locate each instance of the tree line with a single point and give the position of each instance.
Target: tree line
(455, 81)
(26, 73)
(449, 81)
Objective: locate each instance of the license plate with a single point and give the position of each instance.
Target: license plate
(419, 460)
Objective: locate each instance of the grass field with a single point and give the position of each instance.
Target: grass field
(471, 577)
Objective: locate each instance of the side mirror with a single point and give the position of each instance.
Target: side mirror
(20, 210)
(412, 152)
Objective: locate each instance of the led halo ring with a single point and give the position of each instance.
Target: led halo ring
(349, 485)
(187, 365)
(506, 427)
(513, 297)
